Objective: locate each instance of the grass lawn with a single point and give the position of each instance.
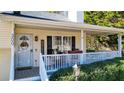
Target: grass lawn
(110, 70)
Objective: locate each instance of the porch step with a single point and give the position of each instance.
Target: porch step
(36, 78)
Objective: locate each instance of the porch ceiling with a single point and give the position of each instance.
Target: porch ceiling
(38, 23)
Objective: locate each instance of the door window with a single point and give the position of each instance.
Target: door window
(23, 42)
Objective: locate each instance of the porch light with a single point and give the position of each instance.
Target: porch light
(76, 71)
(36, 38)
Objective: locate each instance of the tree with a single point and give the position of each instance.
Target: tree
(105, 18)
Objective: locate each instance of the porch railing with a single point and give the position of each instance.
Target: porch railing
(42, 70)
(99, 56)
(55, 62)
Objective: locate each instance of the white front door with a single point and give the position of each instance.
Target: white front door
(24, 50)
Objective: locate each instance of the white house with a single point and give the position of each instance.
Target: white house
(60, 37)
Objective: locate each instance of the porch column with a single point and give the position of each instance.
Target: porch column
(11, 78)
(62, 43)
(82, 47)
(81, 40)
(120, 45)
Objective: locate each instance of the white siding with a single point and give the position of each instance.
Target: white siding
(5, 34)
(5, 57)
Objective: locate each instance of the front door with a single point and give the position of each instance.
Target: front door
(24, 50)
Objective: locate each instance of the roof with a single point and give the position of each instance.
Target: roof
(43, 22)
(27, 16)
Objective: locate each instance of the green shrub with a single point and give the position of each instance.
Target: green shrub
(63, 74)
(110, 70)
(89, 50)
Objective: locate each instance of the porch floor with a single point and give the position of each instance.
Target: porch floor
(26, 73)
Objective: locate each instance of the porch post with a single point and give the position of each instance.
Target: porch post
(81, 47)
(62, 43)
(11, 77)
(120, 45)
(81, 41)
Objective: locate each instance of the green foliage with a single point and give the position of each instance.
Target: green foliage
(106, 18)
(63, 74)
(110, 70)
(89, 50)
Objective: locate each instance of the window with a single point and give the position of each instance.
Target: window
(62, 43)
(64, 13)
(57, 43)
(23, 43)
(57, 12)
(67, 43)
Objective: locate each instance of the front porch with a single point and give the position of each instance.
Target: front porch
(61, 45)
(54, 59)
(52, 63)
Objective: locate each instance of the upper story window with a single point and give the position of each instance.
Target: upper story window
(59, 12)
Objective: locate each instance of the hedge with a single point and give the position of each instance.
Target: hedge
(110, 70)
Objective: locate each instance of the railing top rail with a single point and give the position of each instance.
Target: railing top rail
(100, 52)
(80, 53)
(62, 54)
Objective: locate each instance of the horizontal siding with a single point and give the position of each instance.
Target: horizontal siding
(4, 63)
(5, 34)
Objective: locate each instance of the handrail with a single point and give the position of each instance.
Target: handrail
(42, 70)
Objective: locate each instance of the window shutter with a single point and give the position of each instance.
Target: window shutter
(49, 44)
(73, 42)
